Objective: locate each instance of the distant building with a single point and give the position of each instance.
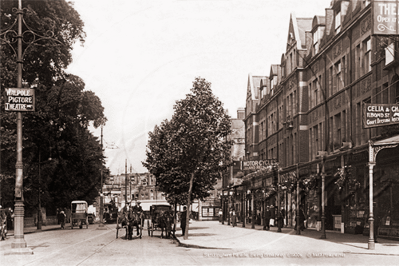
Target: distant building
(211, 206)
(139, 187)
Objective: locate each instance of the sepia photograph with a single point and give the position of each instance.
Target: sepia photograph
(199, 132)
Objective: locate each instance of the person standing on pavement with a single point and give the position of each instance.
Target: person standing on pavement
(233, 213)
(10, 219)
(272, 215)
(267, 219)
(183, 220)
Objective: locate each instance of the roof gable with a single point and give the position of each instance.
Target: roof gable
(297, 31)
(253, 86)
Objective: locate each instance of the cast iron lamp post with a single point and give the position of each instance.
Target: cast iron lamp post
(11, 36)
(323, 215)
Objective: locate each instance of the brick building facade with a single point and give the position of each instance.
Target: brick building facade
(307, 114)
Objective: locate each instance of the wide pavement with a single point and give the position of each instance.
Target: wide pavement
(212, 234)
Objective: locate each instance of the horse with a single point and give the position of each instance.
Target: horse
(165, 222)
(133, 218)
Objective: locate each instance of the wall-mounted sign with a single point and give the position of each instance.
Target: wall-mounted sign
(255, 165)
(20, 100)
(376, 115)
(385, 17)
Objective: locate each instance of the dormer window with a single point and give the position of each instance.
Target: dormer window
(316, 37)
(338, 22)
(273, 83)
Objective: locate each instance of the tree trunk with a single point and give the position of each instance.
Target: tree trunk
(174, 219)
(188, 207)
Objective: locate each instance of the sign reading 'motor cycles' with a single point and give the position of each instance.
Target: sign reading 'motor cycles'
(20, 100)
(375, 115)
(255, 165)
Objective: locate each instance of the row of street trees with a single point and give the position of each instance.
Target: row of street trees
(58, 129)
(188, 153)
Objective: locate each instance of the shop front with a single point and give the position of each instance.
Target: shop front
(385, 194)
(288, 185)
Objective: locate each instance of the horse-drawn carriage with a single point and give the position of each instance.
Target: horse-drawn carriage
(79, 216)
(161, 217)
(128, 219)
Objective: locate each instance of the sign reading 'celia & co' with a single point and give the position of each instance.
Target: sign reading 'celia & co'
(375, 115)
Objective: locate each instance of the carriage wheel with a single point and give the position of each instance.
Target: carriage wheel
(148, 227)
(87, 222)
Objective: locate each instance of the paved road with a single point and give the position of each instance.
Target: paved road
(100, 247)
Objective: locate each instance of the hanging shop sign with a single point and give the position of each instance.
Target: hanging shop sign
(376, 115)
(256, 165)
(385, 17)
(20, 100)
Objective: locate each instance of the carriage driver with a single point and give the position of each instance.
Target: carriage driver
(137, 207)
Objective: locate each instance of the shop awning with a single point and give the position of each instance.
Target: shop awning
(388, 141)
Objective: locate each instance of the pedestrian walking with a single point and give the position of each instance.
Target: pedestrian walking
(183, 220)
(283, 216)
(62, 218)
(267, 219)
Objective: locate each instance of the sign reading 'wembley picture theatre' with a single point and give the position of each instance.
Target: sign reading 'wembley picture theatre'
(385, 17)
(255, 165)
(375, 115)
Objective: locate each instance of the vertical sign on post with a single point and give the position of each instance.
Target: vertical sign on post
(385, 17)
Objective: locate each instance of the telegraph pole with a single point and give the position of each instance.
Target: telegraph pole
(125, 182)
(101, 225)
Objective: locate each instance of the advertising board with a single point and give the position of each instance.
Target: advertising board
(20, 100)
(376, 115)
(385, 17)
(256, 165)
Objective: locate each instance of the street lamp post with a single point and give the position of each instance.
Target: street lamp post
(8, 37)
(19, 241)
(278, 202)
(323, 215)
(298, 226)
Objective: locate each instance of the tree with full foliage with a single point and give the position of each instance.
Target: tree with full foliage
(58, 129)
(186, 154)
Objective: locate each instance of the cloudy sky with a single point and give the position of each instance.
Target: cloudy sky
(140, 56)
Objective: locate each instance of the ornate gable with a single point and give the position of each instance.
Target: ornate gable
(291, 38)
(249, 85)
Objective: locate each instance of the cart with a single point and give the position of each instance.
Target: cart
(158, 219)
(79, 215)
